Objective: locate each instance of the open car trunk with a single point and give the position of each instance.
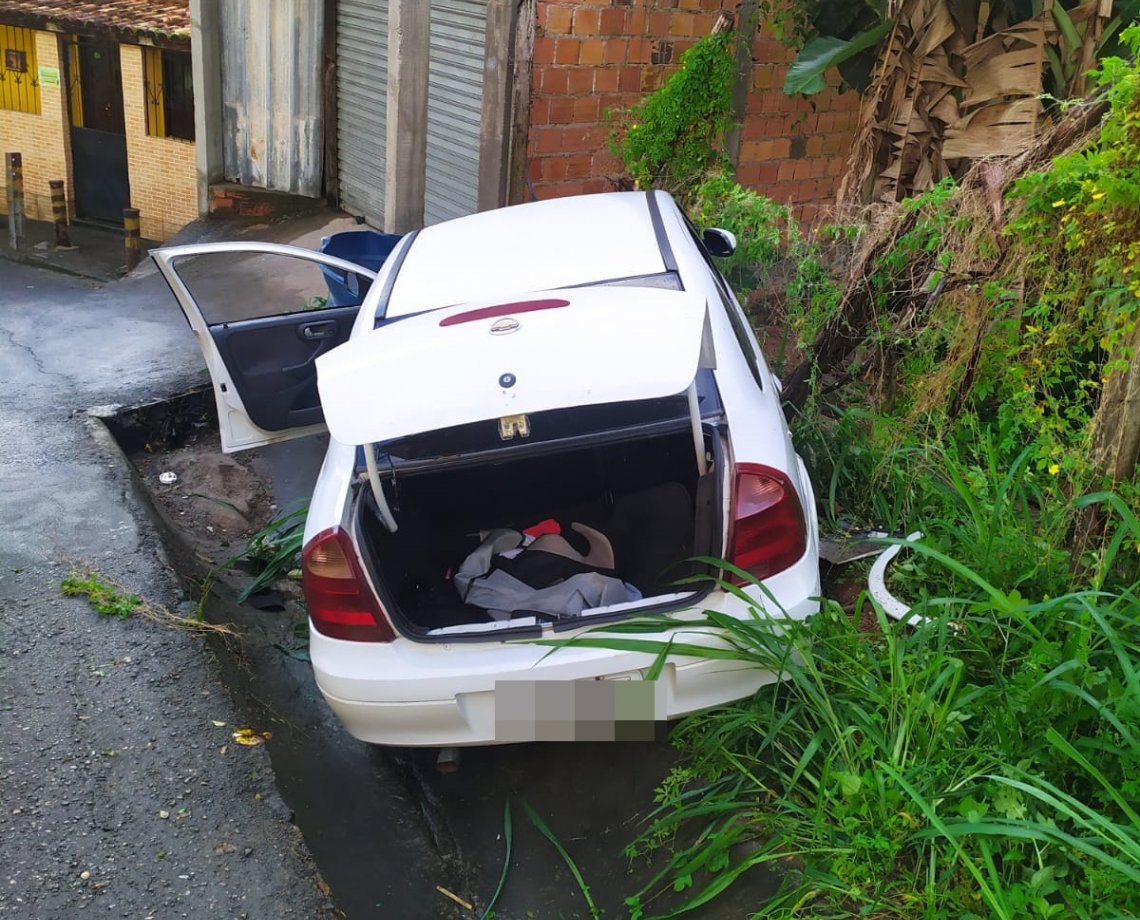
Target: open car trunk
(581, 407)
(641, 490)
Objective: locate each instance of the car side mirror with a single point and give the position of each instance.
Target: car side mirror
(719, 243)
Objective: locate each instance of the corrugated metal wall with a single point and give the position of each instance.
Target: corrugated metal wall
(455, 107)
(362, 106)
(271, 94)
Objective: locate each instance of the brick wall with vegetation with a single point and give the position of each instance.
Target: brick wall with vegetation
(591, 56)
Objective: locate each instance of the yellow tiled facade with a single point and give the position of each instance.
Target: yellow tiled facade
(43, 140)
(162, 171)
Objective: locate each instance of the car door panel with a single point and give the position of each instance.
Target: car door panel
(272, 363)
(263, 368)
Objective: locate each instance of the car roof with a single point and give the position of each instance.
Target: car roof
(561, 242)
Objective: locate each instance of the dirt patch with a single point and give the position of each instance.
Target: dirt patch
(217, 499)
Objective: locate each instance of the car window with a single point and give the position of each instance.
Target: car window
(669, 281)
(736, 315)
(235, 286)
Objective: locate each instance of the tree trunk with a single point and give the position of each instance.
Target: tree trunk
(1115, 442)
(1116, 426)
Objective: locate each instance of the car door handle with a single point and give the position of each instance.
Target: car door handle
(312, 332)
(324, 334)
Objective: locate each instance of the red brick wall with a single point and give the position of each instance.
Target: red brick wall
(591, 55)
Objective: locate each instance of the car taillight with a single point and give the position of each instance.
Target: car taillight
(767, 534)
(341, 603)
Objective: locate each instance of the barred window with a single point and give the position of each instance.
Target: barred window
(19, 80)
(169, 93)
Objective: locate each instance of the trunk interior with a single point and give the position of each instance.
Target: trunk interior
(644, 494)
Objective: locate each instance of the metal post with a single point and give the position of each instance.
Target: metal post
(59, 213)
(409, 35)
(131, 237)
(14, 170)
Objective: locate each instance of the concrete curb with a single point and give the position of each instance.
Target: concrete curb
(24, 258)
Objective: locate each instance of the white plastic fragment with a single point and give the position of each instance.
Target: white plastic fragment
(877, 587)
(168, 478)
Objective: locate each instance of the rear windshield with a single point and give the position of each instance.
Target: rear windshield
(557, 425)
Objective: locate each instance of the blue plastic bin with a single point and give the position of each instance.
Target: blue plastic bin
(367, 248)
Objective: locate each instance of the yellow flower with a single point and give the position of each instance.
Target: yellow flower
(1097, 196)
(1059, 203)
(1054, 469)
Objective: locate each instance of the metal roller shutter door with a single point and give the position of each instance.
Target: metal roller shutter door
(362, 106)
(455, 107)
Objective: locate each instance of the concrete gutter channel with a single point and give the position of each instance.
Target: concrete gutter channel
(384, 827)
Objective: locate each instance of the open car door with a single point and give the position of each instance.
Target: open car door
(261, 338)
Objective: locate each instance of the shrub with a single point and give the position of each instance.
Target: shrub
(675, 137)
(758, 223)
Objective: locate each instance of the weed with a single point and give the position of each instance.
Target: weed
(107, 600)
(981, 764)
(273, 552)
(546, 832)
(508, 836)
(758, 223)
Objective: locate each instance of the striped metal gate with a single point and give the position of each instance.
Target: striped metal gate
(362, 106)
(455, 107)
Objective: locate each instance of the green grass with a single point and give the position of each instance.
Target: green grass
(508, 837)
(110, 600)
(984, 764)
(107, 599)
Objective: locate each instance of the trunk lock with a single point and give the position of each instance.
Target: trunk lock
(511, 425)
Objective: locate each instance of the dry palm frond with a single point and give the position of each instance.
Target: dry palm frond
(952, 84)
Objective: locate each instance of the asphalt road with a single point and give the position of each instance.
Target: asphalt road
(119, 794)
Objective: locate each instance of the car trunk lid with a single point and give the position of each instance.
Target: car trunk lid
(507, 360)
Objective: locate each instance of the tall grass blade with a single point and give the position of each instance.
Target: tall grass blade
(1061, 744)
(991, 897)
(507, 838)
(546, 832)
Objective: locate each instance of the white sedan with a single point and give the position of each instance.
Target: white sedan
(539, 417)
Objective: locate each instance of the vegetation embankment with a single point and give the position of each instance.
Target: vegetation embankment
(969, 369)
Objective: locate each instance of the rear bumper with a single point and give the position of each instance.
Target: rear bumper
(476, 717)
(441, 695)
